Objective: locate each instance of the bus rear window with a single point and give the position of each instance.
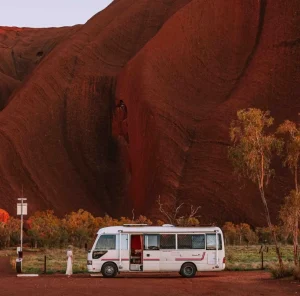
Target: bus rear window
(211, 242)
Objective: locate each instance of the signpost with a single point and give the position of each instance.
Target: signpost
(21, 211)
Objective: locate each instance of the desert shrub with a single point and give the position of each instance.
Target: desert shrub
(188, 221)
(278, 273)
(13, 228)
(3, 235)
(297, 273)
(9, 232)
(44, 229)
(80, 226)
(239, 234)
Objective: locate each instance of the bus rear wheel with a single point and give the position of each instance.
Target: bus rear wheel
(109, 270)
(188, 270)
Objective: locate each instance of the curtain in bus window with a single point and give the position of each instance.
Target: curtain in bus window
(106, 242)
(124, 241)
(211, 242)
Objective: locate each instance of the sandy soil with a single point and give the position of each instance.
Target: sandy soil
(224, 283)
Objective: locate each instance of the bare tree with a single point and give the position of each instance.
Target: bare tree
(172, 211)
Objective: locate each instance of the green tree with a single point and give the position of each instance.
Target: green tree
(290, 214)
(290, 211)
(13, 230)
(252, 152)
(44, 228)
(246, 234)
(230, 234)
(3, 235)
(80, 226)
(143, 220)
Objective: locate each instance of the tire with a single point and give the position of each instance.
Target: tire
(188, 270)
(109, 270)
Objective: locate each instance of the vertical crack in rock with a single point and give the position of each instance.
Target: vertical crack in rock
(262, 11)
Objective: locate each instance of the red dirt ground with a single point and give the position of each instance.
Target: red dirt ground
(212, 284)
(183, 68)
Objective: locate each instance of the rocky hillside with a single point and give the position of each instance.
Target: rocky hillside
(137, 103)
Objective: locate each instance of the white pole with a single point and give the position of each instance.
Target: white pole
(217, 250)
(120, 250)
(21, 224)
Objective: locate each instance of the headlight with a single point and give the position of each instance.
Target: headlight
(89, 262)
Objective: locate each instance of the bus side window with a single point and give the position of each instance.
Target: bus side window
(167, 241)
(124, 242)
(191, 241)
(151, 242)
(211, 242)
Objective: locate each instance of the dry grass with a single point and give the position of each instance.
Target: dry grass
(237, 258)
(249, 258)
(56, 260)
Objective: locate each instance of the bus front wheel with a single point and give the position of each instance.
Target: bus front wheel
(188, 270)
(109, 270)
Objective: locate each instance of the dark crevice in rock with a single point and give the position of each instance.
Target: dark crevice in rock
(289, 43)
(262, 12)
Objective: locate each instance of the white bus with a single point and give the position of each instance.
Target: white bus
(142, 248)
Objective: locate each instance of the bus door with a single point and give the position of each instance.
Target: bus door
(214, 249)
(151, 252)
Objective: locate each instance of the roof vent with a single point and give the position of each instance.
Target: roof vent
(168, 225)
(134, 225)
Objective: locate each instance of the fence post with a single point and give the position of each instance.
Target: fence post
(45, 264)
(262, 260)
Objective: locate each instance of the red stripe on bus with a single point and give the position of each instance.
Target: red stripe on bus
(104, 259)
(151, 260)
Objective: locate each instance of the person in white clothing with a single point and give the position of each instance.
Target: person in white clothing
(69, 271)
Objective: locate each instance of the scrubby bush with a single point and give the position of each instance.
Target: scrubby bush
(80, 227)
(297, 273)
(44, 229)
(278, 272)
(9, 232)
(239, 234)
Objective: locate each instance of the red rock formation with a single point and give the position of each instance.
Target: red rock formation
(185, 86)
(4, 216)
(57, 128)
(82, 131)
(21, 50)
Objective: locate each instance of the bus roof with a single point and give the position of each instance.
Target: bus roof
(156, 229)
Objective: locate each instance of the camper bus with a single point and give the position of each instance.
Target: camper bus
(142, 248)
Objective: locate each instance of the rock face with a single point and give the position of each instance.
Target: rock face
(21, 50)
(137, 103)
